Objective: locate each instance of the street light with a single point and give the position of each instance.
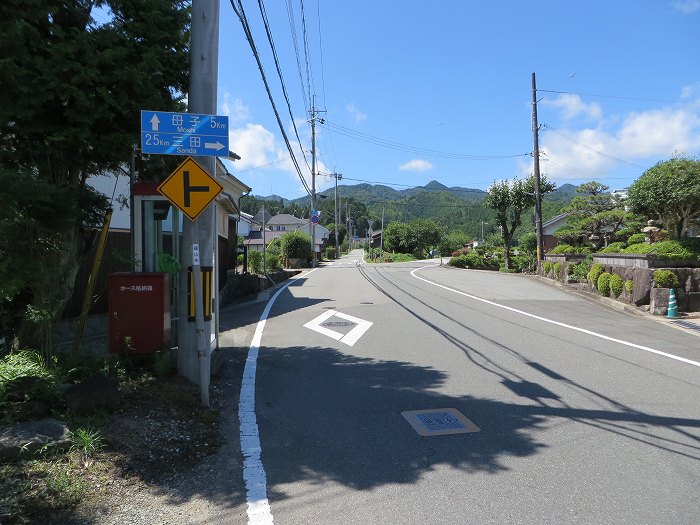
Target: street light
(482, 230)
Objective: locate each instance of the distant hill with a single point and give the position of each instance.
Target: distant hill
(454, 207)
(374, 193)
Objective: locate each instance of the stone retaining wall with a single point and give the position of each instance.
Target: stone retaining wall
(687, 294)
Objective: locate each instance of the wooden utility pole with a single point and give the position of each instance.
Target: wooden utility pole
(536, 157)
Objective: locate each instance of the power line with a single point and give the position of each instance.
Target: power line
(547, 127)
(612, 96)
(268, 31)
(377, 141)
(293, 28)
(240, 12)
(309, 77)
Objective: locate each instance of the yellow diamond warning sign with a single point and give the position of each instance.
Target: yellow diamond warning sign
(190, 188)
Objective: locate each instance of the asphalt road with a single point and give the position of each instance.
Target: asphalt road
(580, 421)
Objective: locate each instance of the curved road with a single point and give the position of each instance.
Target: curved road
(584, 415)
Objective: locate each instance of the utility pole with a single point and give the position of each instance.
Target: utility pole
(264, 242)
(336, 211)
(381, 237)
(313, 180)
(194, 340)
(536, 157)
(313, 175)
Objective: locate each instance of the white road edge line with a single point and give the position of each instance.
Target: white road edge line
(563, 325)
(259, 512)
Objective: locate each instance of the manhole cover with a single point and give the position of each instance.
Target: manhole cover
(439, 422)
(337, 323)
(687, 324)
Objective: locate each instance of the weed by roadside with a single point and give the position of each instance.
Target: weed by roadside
(157, 431)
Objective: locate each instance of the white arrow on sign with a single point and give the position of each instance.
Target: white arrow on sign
(350, 338)
(213, 145)
(154, 123)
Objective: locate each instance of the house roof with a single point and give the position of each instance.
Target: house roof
(285, 218)
(258, 218)
(554, 220)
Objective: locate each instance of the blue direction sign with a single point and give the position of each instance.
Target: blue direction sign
(165, 133)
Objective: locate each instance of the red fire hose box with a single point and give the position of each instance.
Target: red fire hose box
(139, 312)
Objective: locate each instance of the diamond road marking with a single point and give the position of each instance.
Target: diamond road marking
(350, 338)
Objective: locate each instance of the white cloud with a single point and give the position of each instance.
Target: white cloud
(356, 113)
(659, 132)
(690, 91)
(416, 165)
(572, 106)
(687, 6)
(254, 144)
(236, 110)
(641, 138)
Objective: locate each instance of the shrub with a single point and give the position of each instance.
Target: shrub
(568, 248)
(613, 247)
(562, 248)
(636, 238)
(520, 263)
(665, 249)
(330, 252)
(255, 261)
(616, 285)
(604, 284)
(547, 267)
(594, 273)
(296, 245)
(665, 279)
(473, 261)
(557, 270)
(629, 285)
(578, 272)
(273, 262)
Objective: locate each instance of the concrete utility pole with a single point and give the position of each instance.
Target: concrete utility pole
(536, 157)
(336, 211)
(313, 180)
(194, 340)
(381, 237)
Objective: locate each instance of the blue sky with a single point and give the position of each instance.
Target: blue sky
(448, 83)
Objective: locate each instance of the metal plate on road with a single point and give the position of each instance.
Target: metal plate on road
(439, 422)
(166, 133)
(688, 325)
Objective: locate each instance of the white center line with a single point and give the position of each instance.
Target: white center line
(551, 321)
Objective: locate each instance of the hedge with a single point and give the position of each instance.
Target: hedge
(665, 279)
(616, 285)
(604, 284)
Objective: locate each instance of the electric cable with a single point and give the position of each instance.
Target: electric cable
(377, 141)
(240, 12)
(293, 29)
(268, 31)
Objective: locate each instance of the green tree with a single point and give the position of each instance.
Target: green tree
(296, 245)
(452, 241)
(69, 110)
(669, 192)
(415, 237)
(594, 215)
(510, 199)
